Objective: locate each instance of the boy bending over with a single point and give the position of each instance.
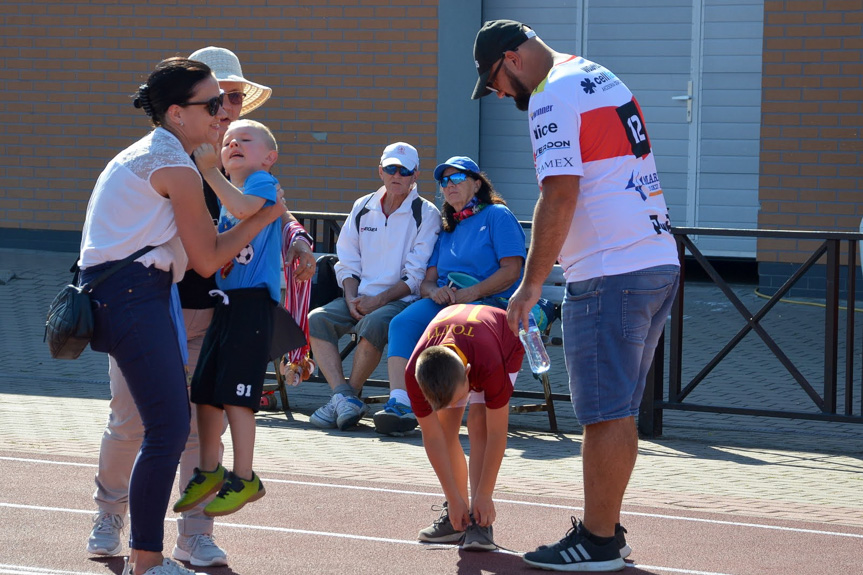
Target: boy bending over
(468, 354)
(229, 377)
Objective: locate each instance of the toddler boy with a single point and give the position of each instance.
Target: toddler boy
(229, 377)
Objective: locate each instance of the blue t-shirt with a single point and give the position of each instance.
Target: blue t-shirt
(477, 245)
(259, 263)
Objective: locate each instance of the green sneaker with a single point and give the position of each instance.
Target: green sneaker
(235, 493)
(202, 485)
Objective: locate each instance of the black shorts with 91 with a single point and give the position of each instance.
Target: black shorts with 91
(235, 352)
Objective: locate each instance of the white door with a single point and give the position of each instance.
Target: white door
(728, 107)
(694, 68)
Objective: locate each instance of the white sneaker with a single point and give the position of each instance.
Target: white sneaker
(199, 550)
(167, 567)
(105, 536)
(349, 412)
(325, 416)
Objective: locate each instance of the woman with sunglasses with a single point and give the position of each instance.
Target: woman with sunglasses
(482, 240)
(124, 431)
(150, 194)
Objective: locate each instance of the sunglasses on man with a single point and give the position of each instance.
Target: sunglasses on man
(493, 75)
(454, 179)
(213, 104)
(491, 78)
(403, 171)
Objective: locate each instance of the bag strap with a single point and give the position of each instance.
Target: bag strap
(88, 287)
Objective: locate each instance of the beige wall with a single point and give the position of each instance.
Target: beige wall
(348, 77)
(812, 122)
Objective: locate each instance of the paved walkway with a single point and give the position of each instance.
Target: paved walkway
(782, 469)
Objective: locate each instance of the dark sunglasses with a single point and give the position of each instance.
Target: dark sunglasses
(213, 104)
(493, 75)
(391, 170)
(454, 179)
(491, 78)
(236, 98)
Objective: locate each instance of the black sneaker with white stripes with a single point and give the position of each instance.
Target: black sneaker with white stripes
(620, 537)
(575, 552)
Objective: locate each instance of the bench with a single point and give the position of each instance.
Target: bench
(553, 290)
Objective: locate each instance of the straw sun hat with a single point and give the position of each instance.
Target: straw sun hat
(226, 67)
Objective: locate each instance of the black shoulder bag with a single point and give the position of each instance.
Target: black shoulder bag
(69, 327)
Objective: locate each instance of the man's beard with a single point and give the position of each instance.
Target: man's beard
(522, 94)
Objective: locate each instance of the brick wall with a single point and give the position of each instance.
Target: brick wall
(348, 77)
(812, 122)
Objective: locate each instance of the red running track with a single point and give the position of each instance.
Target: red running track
(313, 525)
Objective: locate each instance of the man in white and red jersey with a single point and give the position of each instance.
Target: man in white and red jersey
(602, 215)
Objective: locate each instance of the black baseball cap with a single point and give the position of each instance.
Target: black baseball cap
(493, 39)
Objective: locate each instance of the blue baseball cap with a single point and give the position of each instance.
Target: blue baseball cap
(461, 163)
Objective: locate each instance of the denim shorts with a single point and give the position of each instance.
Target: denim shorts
(611, 325)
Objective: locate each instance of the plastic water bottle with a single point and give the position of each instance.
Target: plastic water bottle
(531, 339)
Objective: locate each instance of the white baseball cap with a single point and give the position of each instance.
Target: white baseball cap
(226, 67)
(401, 154)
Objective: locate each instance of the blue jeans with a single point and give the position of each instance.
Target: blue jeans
(133, 324)
(407, 327)
(611, 325)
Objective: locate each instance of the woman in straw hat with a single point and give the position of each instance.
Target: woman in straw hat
(124, 432)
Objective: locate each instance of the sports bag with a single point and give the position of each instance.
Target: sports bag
(69, 327)
(325, 286)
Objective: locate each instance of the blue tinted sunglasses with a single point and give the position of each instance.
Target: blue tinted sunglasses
(454, 179)
(403, 171)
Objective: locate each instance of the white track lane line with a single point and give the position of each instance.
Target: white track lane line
(22, 570)
(27, 570)
(673, 570)
(510, 501)
(241, 526)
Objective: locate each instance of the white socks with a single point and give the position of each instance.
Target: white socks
(401, 396)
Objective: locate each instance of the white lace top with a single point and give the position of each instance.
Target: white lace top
(126, 213)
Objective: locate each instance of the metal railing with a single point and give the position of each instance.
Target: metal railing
(325, 226)
(826, 402)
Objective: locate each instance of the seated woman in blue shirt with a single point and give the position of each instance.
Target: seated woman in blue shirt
(482, 239)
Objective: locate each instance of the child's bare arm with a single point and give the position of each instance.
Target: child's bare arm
(240, 206)
(496, 422)
(440, 458)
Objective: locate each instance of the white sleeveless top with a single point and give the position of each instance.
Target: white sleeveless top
(126, 213)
